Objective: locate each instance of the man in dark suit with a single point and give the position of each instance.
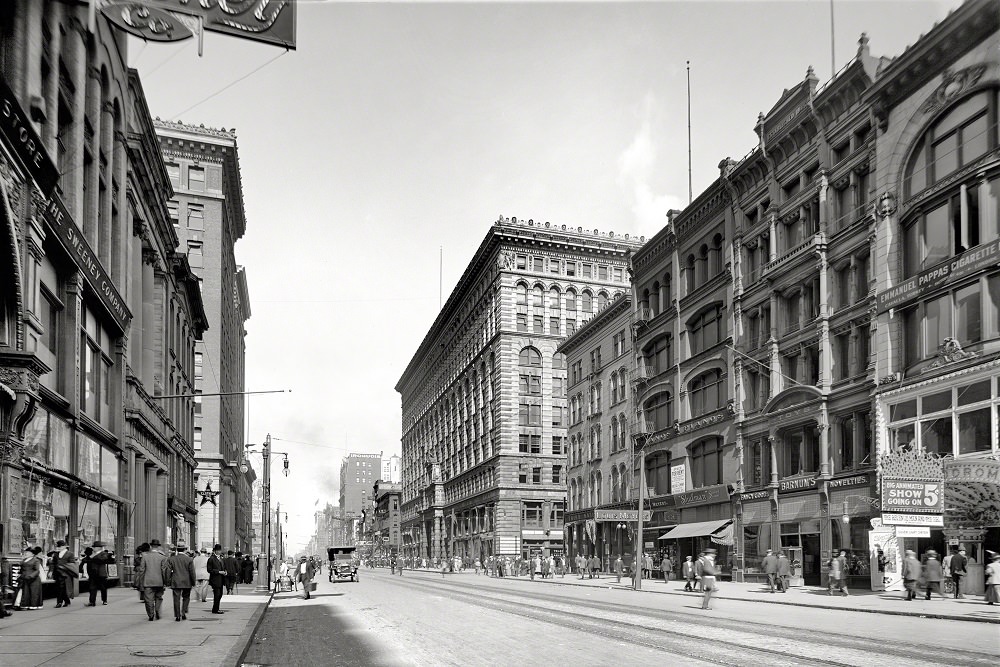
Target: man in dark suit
(232, 567)
(64, 571)
(182, 578)
(97, 572)
(216, 577)
(958, 571)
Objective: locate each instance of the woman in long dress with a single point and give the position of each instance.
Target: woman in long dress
(31, 579)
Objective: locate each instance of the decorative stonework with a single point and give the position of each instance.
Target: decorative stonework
(910, 464)
(953, 84)
(949, 352)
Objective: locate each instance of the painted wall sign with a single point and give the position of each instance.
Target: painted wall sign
(148, 23)
(267, 21)
(24, 142)
(969, 262)
(754, 495)
(58, 219)
(912, 496)
(706, 496)
(844, 482)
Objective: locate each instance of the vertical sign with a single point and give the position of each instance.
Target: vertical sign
(678, 479)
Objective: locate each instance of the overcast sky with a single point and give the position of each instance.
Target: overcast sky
(397, 129)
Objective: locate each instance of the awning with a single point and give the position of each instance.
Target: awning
(697, 529)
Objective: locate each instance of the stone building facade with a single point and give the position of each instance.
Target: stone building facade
(483, 398)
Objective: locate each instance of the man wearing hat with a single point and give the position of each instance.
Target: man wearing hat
(97, 572)
(933, 574)
(216, 577)
(64, 571)
(705, 568)
(958, 571)
(182, 578)
(304, 573)
(911, 572)
(770, 566)
(150, 572)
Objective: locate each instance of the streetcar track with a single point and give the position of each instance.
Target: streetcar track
(881, 646)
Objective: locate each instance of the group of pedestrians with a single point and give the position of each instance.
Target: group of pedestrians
(63, 569)
(932, 572)
(778, 569)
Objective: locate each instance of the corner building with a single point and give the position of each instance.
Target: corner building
(208, 215)
(483, 398)
(937, 238)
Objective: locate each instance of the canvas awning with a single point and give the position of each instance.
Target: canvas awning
(696, 529)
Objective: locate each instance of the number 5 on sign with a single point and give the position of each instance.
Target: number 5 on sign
(932, 495)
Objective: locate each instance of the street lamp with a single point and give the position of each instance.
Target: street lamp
(264, 558)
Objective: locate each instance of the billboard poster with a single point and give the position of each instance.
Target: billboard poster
(885, 558)
(678, 477)
(905, 496)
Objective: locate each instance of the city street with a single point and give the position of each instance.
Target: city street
(422, 618)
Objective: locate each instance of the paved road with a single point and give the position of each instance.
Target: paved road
(423, 618)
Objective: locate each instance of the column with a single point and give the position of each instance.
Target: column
(104, 207)
(772, 237)
(772, 441)
(825, 349)
(777, 381)
(148, 319)
(51, 93)
(89, 216)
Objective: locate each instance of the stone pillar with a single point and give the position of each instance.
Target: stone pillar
(777, 381)
(148, 321)
(772, 441)
(51, 92)
(772, 237)
(89, 216)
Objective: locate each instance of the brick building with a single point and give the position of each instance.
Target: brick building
(358, 474)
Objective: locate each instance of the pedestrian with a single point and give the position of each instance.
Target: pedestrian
(181, 577)
(304, 573)
(707, 570)
(216, 577)
(770, 567)
(595, 567)
(581, 565)
(992, 575)
(842, 569)
(479, 566)
(30, 586)
(150, 572)
(932, 573)
(784, 572)
(688, 572)
(647, 566)
(666, 567)
(911, 573)
(97, 572)
(698, 587)
(958, 571)
(64, 570)
(536, 569)
(232, 567)
(619, 568)
(201, 576)
(833, 575)
(248, 569)
(444, 567)
(552, 566)
(137, 561)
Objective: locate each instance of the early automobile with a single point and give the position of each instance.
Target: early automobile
(343, 563)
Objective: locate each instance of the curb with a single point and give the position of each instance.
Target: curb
(236, 654)
(787, 603)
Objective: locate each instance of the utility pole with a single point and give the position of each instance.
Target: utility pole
(639, 544)
(264, 559)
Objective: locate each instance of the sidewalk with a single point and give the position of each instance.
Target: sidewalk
(121, 634)
(972, 608)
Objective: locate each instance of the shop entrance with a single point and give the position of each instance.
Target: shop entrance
(796, 535)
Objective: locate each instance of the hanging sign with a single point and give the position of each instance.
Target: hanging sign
(267, 21)
(912, 496)
(148, 23)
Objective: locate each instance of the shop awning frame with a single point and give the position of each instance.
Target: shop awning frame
(697, 529)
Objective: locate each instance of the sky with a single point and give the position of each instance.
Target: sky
(380, 151)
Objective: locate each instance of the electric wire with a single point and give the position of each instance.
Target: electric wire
(229, 85)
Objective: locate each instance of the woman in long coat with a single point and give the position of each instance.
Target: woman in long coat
(993, 580)
(31, 579)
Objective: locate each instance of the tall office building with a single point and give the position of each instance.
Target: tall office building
(391, 469)
(483, 398)
(208, 215)
(358, 474)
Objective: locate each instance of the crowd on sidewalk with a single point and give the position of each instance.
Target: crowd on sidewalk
(156, 568)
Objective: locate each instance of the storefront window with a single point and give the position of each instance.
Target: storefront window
(756, 542)
(88, 460)
(89, 521)
(60, 444)
(109, 523)
(36, 437)
(46, 515)
(109, 470)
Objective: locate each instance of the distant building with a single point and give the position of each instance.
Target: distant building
(208, 215)
(386, 525)
(358, 474)
(391, 469)
(484, 396)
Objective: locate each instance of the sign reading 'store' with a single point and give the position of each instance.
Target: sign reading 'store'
(912, 496)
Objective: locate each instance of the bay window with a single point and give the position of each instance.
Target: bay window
(957, 421)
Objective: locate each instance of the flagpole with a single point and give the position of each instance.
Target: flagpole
(690, 188)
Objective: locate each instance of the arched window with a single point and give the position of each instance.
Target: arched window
(689, 274)
(706, 462)
(537, 296)
(659, 411)
(660, 355)
(530, 357)
(614, 485)
(958, 138)
(707, 329)
(522, 294)
(614, 434)
(715, 256)
(586, 302)
(602, 300)
(702, 270)
(554, 300)
(597, 488)
(624, 481)
(571, 300)
(595, 443)
(707, 393)
(558, 360)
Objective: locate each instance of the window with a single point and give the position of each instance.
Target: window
(792, 312)
(570, 268)
(595, 360)
(970, 314)
(558, 444)
(617, 275)
(558, 361)
(557, 474)
(531, 357)
(658, 473)
(949, 228)
(539, 265)
(196, 216)
(96, 366)
(587, 270)
(531, 385)
(660, 355)
(529, 415)
(707, 329)
(756, 463)
(536, 475)
(554, 266)
(531, 514)
(618, 344)
(174, 173)
(842, 356)
(956, 421)
(570, 327)
(707, 393)
(554, 326)
(595, 443)
(196, 257)
(196, 179)
(557, 415)
(49, 315)
(559, 387)
(659, 411)
(586, 303)
(706, 463)
(529, 443)
(538, 324)
(576, 372)
(172, 213)
(521, 295)
(522, 262)
(800, 451)
(956, 140)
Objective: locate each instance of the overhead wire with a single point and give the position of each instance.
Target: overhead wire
(229, 85)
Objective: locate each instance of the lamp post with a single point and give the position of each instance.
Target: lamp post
(264, 558)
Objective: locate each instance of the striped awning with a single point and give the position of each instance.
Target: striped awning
(697, 529)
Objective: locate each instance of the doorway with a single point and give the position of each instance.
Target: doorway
(811, 571)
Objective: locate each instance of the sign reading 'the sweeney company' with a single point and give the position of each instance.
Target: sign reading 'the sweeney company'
(61, 223)
(955, 268)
